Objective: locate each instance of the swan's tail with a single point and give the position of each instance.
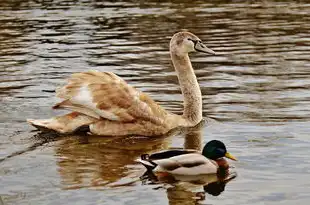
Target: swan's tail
(145, 161)
(65, 124)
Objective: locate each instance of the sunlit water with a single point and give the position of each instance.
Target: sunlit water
(255, 97)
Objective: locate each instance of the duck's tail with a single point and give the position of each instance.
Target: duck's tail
(145, 161)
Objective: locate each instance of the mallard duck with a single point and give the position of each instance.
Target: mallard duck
(107, 105)
(188, 162)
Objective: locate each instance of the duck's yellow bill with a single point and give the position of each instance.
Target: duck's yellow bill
(230, 156)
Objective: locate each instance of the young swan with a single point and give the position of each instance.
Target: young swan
(188, 162)
(107, 105)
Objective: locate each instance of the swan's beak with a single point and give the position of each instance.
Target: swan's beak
(200, 47)
(230, 156)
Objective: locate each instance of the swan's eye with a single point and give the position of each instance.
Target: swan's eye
(194, 41)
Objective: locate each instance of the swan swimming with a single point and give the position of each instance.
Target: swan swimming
(108, 106)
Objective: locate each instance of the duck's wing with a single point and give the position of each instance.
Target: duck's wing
(187, 164)
(169, 153)
(105, 95)
(150, 161)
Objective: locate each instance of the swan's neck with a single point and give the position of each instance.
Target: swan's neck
(190, 88)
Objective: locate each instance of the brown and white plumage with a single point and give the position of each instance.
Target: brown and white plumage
(112, 107)
(105, 95)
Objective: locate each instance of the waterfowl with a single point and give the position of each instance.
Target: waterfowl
(107, 105)
(188, 162)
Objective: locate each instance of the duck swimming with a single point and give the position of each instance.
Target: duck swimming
(189, 162)
(108, 106)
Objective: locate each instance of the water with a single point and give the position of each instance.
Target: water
(255, 97)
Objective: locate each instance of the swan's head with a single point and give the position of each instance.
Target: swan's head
(185, 42)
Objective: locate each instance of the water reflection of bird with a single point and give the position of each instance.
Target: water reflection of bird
(91, 161)
(186, 189)
(105, 104)
(217, 187)
(189, 192)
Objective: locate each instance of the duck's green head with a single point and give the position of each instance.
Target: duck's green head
(216, 149)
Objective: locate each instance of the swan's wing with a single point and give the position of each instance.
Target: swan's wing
(105, 95)
(187, 164)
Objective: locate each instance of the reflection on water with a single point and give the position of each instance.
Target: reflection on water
(182, 193)
(257, 90)
(93, 161)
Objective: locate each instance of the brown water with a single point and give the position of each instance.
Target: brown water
(255, 97)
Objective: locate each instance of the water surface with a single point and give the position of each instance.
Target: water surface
(255, 97)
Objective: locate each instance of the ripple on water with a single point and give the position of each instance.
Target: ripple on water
(256, 89)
